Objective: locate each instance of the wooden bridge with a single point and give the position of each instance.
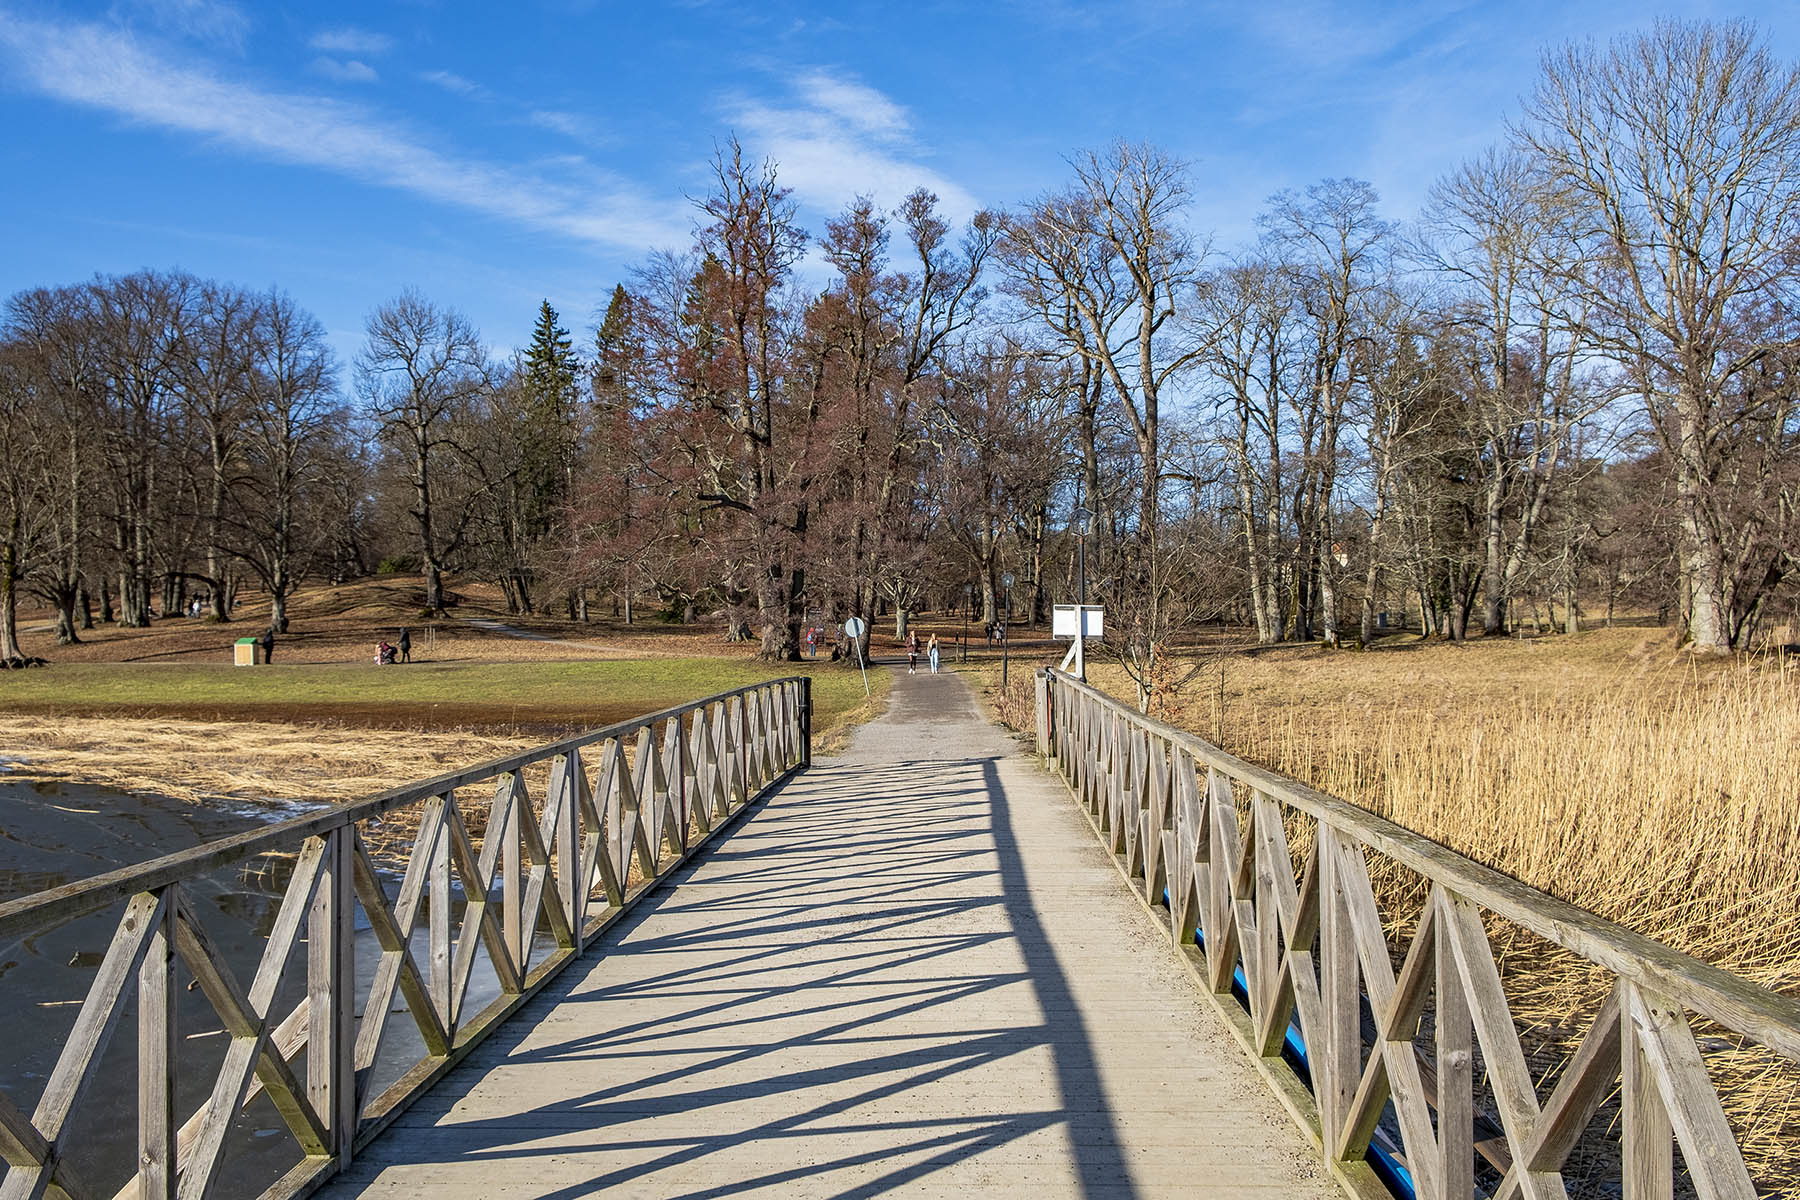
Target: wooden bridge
(911, 968)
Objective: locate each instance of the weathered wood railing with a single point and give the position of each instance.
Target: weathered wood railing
(1274, 878)
(541, 880)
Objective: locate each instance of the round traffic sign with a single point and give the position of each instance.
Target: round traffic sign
(854, 627)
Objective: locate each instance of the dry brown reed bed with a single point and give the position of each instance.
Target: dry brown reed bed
(1608, 770)
(195, 760)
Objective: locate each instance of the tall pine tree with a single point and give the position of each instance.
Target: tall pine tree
(552, 396)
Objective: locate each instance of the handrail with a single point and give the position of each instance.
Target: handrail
(1307, 948)
(85, 895)
(559, 869)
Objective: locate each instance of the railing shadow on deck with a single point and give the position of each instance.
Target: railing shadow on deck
(1404, 1063)
(427, 890)
(725, 1026)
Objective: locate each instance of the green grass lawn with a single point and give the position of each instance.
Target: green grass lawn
(580, 693)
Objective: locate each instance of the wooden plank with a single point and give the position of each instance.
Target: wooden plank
(157, 1025)
(480, 924)
(540, 897)
(244, 1017)
(76, 1065)
(21, 1145)
(1690, 1104)
(331, 995)
(1647, 1138)
(511, 796)
(562, 818)
(1393, 1070)
(1335, 1049)
(393, 931)
(1509, 1078)
(1585, 1085)
(1454, 1037)
(437, 950)
(382, 1110)
(289, 1038)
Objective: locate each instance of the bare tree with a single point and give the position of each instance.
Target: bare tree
(216, 361)
(25, 516)
(292, 425)
(1501, 238)
(53, 327)
(420, 370)
(749, 244)
(1334, 244)
(1680, 149)
(1245, 313)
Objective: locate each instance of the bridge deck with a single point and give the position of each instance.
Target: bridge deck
(913, 970)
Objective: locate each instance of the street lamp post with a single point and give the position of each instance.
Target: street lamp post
(1005, 628)
(968, 604)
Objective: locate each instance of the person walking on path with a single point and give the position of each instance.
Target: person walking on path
(268, 645)
(912, 653)
(405, 646)
(932, 649)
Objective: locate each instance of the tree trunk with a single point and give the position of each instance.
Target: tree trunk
(278, 618)
(1702, 556)
(1494, 594)
(434, 585)
(9, 588)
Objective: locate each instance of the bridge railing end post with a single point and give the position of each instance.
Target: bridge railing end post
(806, 720)
(1041, 688)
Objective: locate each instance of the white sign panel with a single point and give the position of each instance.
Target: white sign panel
(1064, 620)
(854, 627)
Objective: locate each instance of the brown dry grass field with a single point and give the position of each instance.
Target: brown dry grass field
(162, 709)
(1608, 768)
(343, 624)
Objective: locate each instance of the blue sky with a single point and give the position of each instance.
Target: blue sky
(493, 155)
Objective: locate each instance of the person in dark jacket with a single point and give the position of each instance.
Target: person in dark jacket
(405, 646)
(268, 645)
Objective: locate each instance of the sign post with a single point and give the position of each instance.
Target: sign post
(853, 629)
(1080, 622)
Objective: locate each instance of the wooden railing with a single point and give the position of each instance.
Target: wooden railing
(619, 808)
(1266, 884)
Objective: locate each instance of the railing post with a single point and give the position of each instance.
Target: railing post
(331, 996)
(567, 809)
(1041, 688)
(156, 1064)
(806, 720)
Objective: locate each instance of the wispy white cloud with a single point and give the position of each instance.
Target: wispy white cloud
(837, 138)
(349, 71)
(349, 40)
(105, 68)
(856, 104)
(216, 22)
(450, 81)
(577, 127)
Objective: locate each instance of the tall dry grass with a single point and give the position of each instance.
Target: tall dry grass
(1674, 810)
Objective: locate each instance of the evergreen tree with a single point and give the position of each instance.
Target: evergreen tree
(552, 396)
